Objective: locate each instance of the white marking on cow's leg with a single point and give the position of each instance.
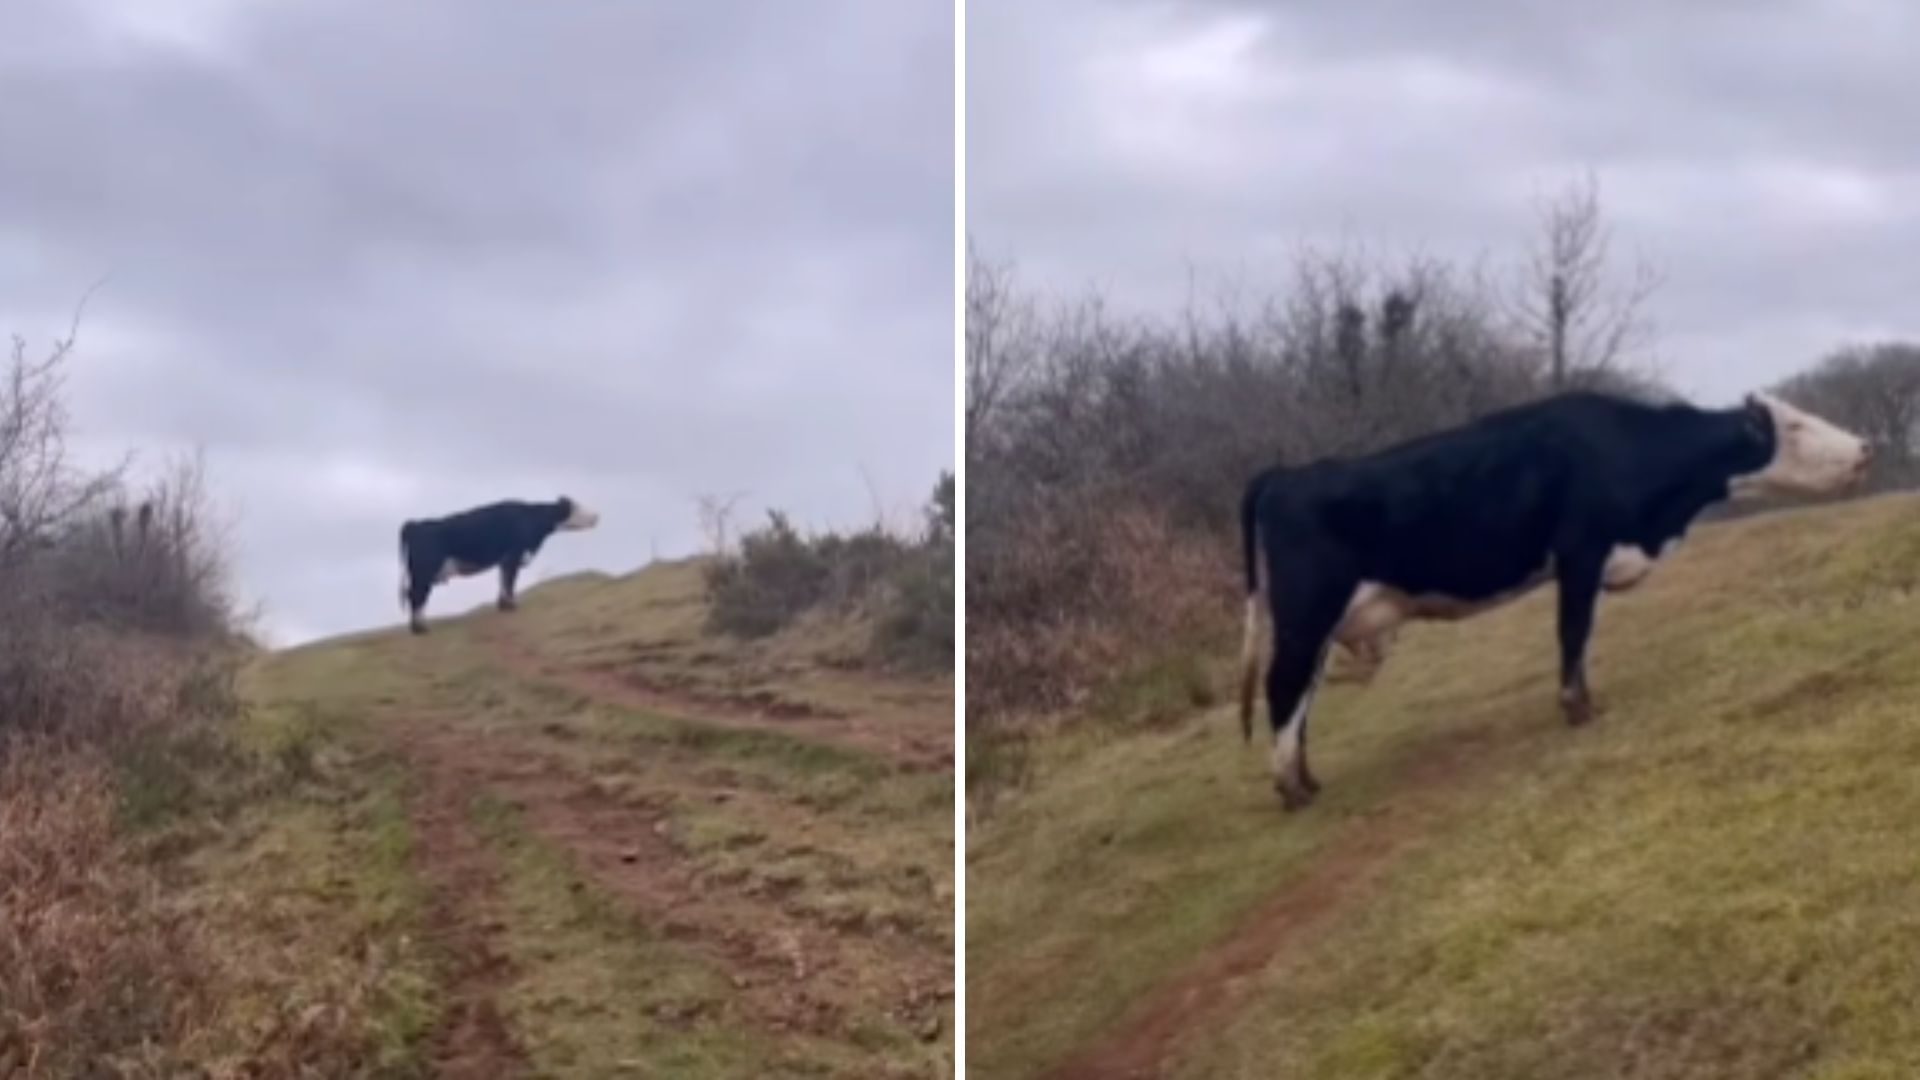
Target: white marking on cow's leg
(1289, 758)
(448, 568)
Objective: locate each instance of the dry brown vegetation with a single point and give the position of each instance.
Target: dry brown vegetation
(119, 650)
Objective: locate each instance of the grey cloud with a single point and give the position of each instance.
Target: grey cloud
(1759, 154)
(648, 250)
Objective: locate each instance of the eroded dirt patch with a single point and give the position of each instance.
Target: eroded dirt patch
(926, 746)
(473, 1039)
(1212, 988)
(791, 972)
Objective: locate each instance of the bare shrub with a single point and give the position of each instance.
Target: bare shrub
(116, 651)
(779, 573)
(1077, 591)
(155, 564)
(40, 489)
(916, 628)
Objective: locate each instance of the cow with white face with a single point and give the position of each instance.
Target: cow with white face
(1810, 456)
(1584, 489)
(503, 535)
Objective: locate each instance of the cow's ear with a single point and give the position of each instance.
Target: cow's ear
(1759, 418)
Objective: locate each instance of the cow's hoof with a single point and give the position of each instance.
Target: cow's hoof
(1293, 798)
(417, 628)
(1579, 713)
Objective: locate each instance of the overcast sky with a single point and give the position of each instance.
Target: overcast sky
(1764, 157)
(391, 260)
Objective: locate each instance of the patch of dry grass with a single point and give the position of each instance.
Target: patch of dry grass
(95, 970)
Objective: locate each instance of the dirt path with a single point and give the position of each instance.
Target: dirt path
(472, 1040)
(1211, 989)
(791, 971)
(918, 747)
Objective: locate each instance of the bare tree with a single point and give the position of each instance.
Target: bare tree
(1567, 302)
(1002, 340)
(40, 489)
(716, 520)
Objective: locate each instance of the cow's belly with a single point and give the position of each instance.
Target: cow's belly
(1376, 610)
(1628, 566)
(453, 568)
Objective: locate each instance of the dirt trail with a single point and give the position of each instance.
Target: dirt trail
(789, 971)
(1211, 989)
(472, 1039)
(914, 746)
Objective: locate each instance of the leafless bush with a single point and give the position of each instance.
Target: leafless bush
(114, 632)
(780, 573)
(716, 521)
(157, 564)
(1074, 592)
(40, 489)
(87, 577)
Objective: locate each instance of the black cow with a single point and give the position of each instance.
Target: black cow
(503, 534)
(1585, 489)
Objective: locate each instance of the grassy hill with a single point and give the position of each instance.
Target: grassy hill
(1719, 878)
(587, 839)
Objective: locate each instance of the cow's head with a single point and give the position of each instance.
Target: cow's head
(576, 517)
(1806, 455)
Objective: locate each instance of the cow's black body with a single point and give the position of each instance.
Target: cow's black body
(504, 535)
(1476, 514)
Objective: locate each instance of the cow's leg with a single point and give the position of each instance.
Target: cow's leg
(1579, 584)
(509, 572)
(1306, 608)
(417, 592)
(1291, 681)
(423, 570)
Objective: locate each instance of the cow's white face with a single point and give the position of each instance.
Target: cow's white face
(1810, 456)
(579, 518)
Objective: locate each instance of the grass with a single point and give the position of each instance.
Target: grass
(598, 994)
(310, 880)
(829, 835)
(1718, 879)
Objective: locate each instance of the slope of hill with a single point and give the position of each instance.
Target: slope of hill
(1719, 878)
(586, 839)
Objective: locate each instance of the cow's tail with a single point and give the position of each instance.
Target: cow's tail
(1250, 630)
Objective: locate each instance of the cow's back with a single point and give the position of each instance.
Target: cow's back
(1469, 511)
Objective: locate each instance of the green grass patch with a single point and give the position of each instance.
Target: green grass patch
(320, 916)
(1717, 879)
(599, 993)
